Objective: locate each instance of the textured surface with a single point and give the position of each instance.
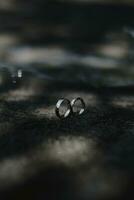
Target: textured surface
(66, 54)
(85, 157)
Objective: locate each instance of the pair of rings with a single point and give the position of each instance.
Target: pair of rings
(70, 107)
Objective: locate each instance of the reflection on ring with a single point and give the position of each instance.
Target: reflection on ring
(69, 107)
(82, 105)
(58, 106)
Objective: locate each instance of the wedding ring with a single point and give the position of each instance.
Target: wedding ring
(82, 105)
(59, 106)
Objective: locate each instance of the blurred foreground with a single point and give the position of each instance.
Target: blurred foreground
(66, 50)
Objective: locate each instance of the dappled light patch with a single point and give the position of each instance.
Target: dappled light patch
(20, 94)
(12, 171)
(70, 151)
(123, 102)
(45, 112)
(117, 50)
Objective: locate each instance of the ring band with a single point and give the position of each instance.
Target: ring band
(57, 109)
(83, 105)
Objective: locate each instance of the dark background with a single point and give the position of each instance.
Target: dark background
(66, 49)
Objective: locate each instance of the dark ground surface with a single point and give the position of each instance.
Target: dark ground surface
(82, 158)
